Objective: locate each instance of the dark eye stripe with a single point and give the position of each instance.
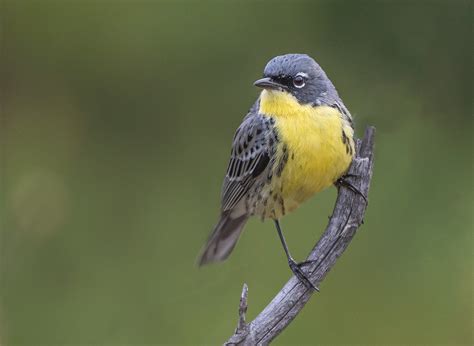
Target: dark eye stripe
(283, 79)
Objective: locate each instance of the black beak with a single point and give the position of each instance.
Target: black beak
(268, 83)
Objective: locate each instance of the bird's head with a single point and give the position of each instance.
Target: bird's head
(300, 76)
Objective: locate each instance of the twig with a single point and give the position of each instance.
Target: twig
(346, 218)
(243, 308)
(242, 330)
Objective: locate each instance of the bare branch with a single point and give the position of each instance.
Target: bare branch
(243, 307)
(346, 218)
(242, 330)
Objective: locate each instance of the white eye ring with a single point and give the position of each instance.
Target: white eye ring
(300, 80)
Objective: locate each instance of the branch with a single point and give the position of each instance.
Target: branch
(346, 218)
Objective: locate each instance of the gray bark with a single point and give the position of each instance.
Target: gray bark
(345, 220)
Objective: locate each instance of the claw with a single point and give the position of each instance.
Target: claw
(350, 175)
(295, 268)
(306, 263)
(343, 182)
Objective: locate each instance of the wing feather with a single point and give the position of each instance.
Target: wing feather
(250, 156)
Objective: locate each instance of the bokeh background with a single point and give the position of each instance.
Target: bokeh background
(116, 123)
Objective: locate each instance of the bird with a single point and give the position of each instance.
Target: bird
(295, 141)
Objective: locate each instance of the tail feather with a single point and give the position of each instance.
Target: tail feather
(223, 239)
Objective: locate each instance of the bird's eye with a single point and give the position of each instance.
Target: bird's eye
(299, 81)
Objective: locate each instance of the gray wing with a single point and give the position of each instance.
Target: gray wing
(339, 105)
(252, 150)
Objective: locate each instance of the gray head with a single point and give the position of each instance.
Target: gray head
(301, 76)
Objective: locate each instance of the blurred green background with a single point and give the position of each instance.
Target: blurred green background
(117, 118)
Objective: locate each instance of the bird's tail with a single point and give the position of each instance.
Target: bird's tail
(223, 239)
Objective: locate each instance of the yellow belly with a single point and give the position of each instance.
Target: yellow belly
(317, 153)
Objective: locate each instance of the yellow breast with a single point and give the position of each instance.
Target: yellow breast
(318, 153)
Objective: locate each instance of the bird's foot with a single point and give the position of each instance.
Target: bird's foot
(306, 263)
(342, 181)
(299, 273)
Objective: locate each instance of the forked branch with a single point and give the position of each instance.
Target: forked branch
(346, 218)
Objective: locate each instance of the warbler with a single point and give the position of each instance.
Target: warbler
(296, 140)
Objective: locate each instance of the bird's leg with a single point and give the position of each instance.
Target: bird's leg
(295, 267)
(342, 181)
